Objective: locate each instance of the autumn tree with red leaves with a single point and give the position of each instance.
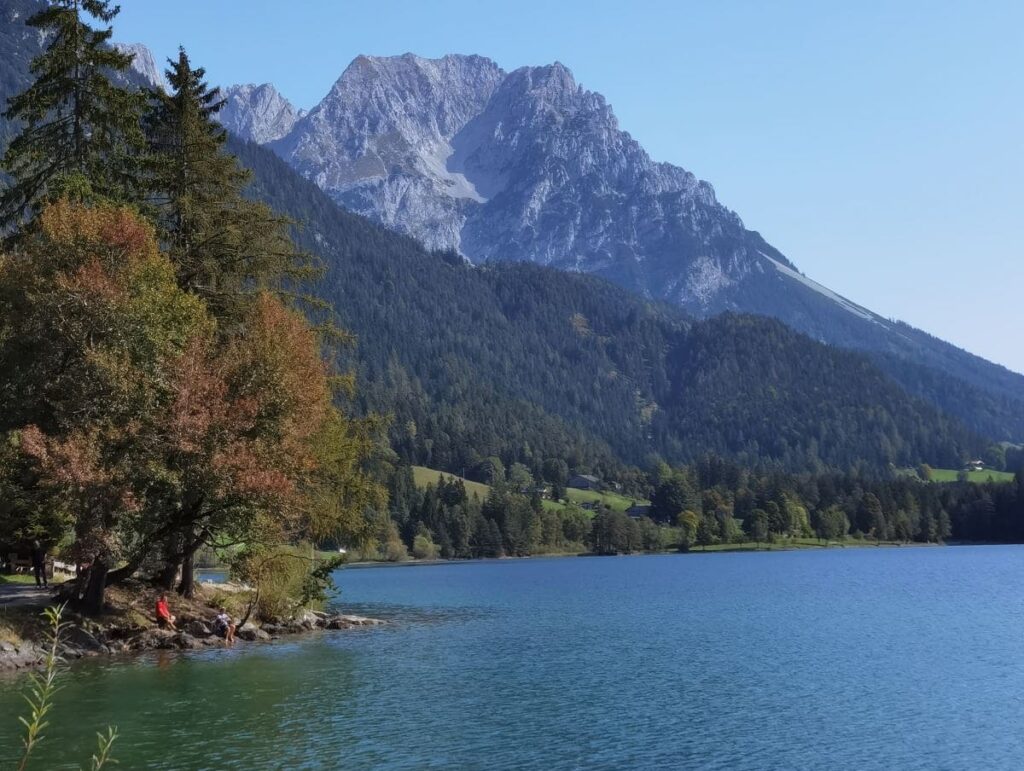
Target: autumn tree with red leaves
(156, 431)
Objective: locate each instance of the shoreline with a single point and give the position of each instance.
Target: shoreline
(744, 547)
(126, 631)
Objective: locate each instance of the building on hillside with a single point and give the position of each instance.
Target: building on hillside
(975, 465)
(639, 511)
(584, 482)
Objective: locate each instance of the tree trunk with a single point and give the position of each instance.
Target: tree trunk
(124, 573)
(169, 574)
(187, 587)
(95, 591)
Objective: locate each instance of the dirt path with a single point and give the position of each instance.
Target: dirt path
(24, 595)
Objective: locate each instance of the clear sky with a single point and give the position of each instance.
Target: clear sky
(879, 145)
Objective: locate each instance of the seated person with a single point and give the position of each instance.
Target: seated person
(163, 613)
(224, 626)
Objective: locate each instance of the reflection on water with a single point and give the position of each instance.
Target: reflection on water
(860, 659)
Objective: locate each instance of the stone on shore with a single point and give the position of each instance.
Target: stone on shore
(251, 633)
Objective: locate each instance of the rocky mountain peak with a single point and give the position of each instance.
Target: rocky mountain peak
(257, 113)
(143, 63)
(525, 165)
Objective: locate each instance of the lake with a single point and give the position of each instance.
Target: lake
(857, 658)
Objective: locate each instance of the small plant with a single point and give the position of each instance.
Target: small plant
(42, 687)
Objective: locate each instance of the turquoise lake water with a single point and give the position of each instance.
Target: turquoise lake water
(840, 659)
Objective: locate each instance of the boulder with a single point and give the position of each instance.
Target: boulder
(152, 639)
(308, 619)
(197, 628)
(187, 641)
(76, 637)
(347, 621)
(22, 656)
(250, 632)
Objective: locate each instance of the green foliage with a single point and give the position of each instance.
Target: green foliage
(439, 339)
(80, 134)
(41, 690)
(284, 578)
(688, 523)
(612, 532)
(423, 548)
(223, 245)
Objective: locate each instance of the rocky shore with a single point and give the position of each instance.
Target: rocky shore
(125, 633)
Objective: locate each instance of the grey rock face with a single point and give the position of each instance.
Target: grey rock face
(143, 63)
(257, 113)
(381, 141)
(529, 166)
(524, 165)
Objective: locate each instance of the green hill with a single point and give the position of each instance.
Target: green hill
(526, 363)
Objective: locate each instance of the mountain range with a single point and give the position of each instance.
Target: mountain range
(468, 172)
(529, 166)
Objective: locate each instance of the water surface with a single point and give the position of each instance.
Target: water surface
(858, 658)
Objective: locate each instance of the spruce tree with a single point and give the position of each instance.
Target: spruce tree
(223, 244)
(80, 133)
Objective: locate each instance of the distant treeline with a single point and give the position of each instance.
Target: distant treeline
(708, 503)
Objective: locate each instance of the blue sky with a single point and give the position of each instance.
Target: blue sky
(880, 146)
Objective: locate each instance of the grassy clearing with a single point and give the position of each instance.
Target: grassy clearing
(613, 501)
(424, 476)
(987, 475)
(18, 578)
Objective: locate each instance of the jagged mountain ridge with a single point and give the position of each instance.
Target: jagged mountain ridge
(529, 166)
(520, 166)
(985, 396)
(257, 113)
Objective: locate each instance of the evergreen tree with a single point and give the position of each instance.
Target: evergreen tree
(222, 244)
(80, 133)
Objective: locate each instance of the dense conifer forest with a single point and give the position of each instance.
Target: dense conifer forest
(524, 362)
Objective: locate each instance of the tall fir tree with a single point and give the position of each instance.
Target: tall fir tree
(223, 244)
(81, 133)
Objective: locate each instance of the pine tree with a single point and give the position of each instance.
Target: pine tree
(81, 134)
(223, 245)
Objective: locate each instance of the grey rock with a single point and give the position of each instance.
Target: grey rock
(187, 641)
(23, 656)
(152, 639)
(197, 628)
(251, 633)
(307, 619)
(342, 621)
(257, 113)
(524, 166)
(76, 637)
(143, 63)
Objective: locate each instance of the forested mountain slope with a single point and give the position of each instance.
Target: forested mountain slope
(531, 166)
(527, 362)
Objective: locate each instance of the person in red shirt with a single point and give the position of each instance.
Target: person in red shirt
(163, 613)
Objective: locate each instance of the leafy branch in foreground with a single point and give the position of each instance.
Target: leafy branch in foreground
(42, 687)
